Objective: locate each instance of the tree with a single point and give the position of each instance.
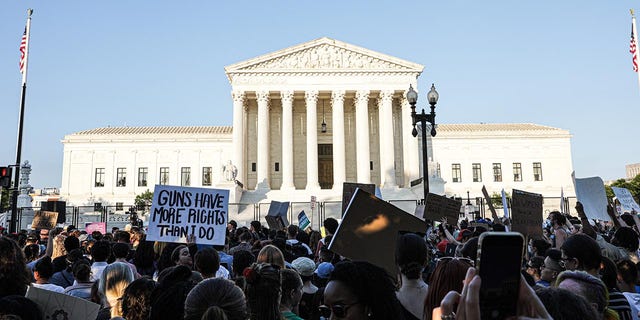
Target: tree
(4, 200)
(144, 199)
(496, 199)
(632, 185)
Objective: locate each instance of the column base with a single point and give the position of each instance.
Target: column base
(285, 187)
(312, 187)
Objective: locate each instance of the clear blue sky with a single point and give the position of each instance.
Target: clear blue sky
(145, 63)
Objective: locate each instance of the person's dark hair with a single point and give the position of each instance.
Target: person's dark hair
(585, 249)
(31, 252)
(292, 230)
(263, 291)
(97, 235)
(241, 260)
(541, 246)
(470, 249)
(44, 267)
(627, 218)
(372, 285)
(101, 251)
(207, 262)
(81, 270)
(71, 243)
(246, 236)
(217, 297)
(554, 254)
(167, 299)
(290, 281)
(608, 273)
(447, 276)
(330, 225)
(560, 219)
(627, 238)
(19, 307)
(14, 275)
(122, 236)
(411, 255)
(136, 299)
(628, 271)
(257, 226)
(175, 254)
(233, 223)
(120, 250)
(164, 261)
(591, 288)
(565, 305)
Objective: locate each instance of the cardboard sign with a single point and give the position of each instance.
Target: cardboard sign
(179, 212)
(277, 216)
(475, 224)
(526, 213)
(303, 221)
(440, 206)
(90, 227)
(370, 228)
(505, 203)
(44, 220)
(494, 215)
(349, 188)
(626, 199)
(590, 192)
(55, 305)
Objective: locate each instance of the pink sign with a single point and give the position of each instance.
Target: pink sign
(95, 226)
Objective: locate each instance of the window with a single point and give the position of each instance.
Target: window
(537, 171)
(206, 176)
(253, 166)
(477, 172)
(142, 176)
(99, 177)
(456, 173)
(517, 171)
(164, 175)
(277, 167)
(121, 177)
(497, 172)
(185, 176)
(119, 206)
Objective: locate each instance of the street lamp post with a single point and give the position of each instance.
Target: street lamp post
(423, 118)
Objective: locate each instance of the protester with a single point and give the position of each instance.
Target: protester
(14, 276)
(81, 287)
(590, 288)
(411, 258)
(42, 271)
(533, 267)
(550, 269)
(447, 277)
(215, 299)
(360, 290)
(291, 294)
(115, 278)
(617, 301)
(330, 227)
(70, 243)
(65, 277)
(120, 252)
(565, 305)
(311, 294)
(100, 252)
(144, 257)
(581, 252)
(136, 300)
(558, 222)
(263, 291)
(272, 255)
(16, 307)
(167, 299)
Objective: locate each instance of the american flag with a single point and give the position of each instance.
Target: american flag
(23, 49)
(632, 49)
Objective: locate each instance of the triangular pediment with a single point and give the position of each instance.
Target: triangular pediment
(324, 54)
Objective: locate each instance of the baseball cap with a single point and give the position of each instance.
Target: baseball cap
(324, 270)
(304, 266)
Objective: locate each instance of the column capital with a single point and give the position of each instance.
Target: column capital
(262, 96)
(238, 95)
(386, 96)
(311, 96)
(338, 95)
(362, 95)
(286, 96)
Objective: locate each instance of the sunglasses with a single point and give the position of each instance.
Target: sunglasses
(467, 260)
(339, 310)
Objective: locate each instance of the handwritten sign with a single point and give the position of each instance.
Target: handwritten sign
(179, 212)
(90, 227)
(440, 206)
(277, 215)
(55, 305)
(626, 199)
(526, 213)
(590, 192)
(44, 220)
(349, 188)
(494, 215)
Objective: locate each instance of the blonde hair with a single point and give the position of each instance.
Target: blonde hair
(58, 246)
(115, 278)
(272, 255)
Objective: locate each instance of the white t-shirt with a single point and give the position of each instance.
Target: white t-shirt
(295, 241)
(223, 273)
(634, 302)
(49, 286)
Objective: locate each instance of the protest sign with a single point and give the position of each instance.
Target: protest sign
(475, 224)
(590, 192)
(44, 220)
(90, 227)
(370, 228)
(505, 204)
(494, 215)
(277, 216)
(3, 220)
(303, 221)
(349, 188)
(55, 305)
(526, 213)
(626, 199)
(440, 206)
(180, 212)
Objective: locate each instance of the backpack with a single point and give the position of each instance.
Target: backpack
(297, 250)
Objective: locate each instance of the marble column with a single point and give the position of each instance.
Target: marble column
(387, 154)
(311, 99)
(287, 140)
(263, 140)
(409, 144)
(339, 158)
(238, 134)
(363, 173)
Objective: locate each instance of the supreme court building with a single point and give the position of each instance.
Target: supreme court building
(306, 119)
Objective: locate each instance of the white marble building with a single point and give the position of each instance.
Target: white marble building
(281, 152)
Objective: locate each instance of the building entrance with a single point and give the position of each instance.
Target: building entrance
(325, 166)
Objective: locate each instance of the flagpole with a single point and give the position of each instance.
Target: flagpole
(16, 181)
(635, 36)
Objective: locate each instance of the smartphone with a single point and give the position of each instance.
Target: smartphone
(499, 263)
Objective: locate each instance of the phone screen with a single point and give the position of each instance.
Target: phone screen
(499, 263)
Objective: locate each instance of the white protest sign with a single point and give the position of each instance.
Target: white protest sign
(179, 212)
(590, 192)
(626, 199)
(55, 305)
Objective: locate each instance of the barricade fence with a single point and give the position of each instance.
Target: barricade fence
(244, 213)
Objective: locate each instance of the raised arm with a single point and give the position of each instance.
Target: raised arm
(586, 226)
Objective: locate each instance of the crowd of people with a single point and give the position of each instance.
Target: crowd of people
(576, 268)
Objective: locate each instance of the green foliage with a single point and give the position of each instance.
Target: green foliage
(496, 199)
(632, 185)
(4, 200)
(144, 199)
